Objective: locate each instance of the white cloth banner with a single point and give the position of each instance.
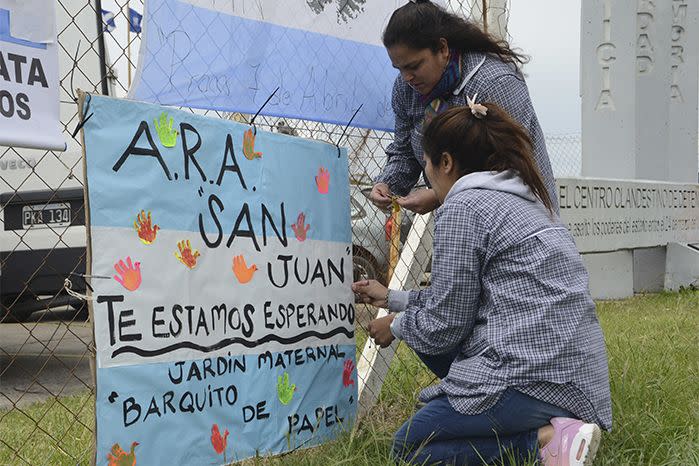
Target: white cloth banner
(326, 58)
(29, 81)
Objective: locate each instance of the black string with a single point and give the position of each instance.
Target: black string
(72, 72)
(252, 122)
(85, 120)
(345, 130)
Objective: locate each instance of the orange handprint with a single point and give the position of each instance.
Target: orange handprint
(300, 229)
(323, 180)
(242, 272)
(249, 146)
(129, 274)
(143, 225)
(187, 255)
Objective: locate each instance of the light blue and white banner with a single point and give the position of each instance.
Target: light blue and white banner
(325, 56)
(228, 323)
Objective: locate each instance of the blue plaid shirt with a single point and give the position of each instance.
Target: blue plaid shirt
(495, 81)
(510, 291)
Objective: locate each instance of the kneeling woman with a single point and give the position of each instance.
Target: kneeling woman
(507, 323)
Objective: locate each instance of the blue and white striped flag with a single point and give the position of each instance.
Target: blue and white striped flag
(108, 21)
(325, 56)
(135, 19)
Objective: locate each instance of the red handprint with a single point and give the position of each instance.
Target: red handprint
(300, 228)
(347, 373)
(218, 441)
(187, 255)
(143, 225)
(323, 180)
(129, 274)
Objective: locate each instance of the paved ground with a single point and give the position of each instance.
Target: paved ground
(49, 356)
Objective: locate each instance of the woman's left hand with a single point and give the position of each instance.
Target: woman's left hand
(380, 330)
(370, 292)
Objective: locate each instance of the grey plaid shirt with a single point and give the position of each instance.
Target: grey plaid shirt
(495, 81)
(510, 290)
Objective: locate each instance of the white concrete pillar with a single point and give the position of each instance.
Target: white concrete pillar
(608, 69)
(684, 85)
(652, 89)
(653, 28)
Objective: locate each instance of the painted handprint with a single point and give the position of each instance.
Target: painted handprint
(145, 228)
(285, 391)
(186, 254)
(347, 373)
(218, 441)
(167, 135)
(249, 146)
(300, 227)
(323, 180)
(242, 272)
(129, 274)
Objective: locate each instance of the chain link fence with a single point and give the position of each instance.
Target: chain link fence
(46, 340)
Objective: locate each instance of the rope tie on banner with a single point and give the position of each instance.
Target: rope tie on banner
(345, 130)
(68, 285)
(252, 121)
(85, 119)
(75, 99)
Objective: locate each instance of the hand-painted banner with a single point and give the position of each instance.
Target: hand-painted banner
(229, 322)
(29, 95)
(325, 56)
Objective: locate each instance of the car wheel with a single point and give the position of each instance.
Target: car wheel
(364, 267)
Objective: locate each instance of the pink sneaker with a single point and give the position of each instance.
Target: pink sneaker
(574, 443)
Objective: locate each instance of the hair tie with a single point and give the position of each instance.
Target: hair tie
(478, 110)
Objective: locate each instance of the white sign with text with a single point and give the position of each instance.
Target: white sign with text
(608, 215)
(29, 91)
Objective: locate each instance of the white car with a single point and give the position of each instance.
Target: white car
(42, 239)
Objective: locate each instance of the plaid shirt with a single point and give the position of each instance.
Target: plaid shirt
(510, 290)
(495, 81)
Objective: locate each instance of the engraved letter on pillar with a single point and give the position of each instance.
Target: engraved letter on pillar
(644, 42)
(606, 55)
(679, 21)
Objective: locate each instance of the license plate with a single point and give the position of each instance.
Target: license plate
(46, 215)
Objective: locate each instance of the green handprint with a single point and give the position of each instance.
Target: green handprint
(167, 135)
(284, 390)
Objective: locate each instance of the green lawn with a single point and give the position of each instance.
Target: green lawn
(653, 344)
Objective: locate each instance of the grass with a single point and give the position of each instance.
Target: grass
(653, 346)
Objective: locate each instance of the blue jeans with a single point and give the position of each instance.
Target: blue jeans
(438, 434)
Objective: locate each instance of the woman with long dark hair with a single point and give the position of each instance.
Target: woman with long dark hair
(507, 322)
(442, 58)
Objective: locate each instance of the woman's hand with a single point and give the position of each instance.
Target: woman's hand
(370, 292)
(380, 330)
(419, 201)
(381, 195)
